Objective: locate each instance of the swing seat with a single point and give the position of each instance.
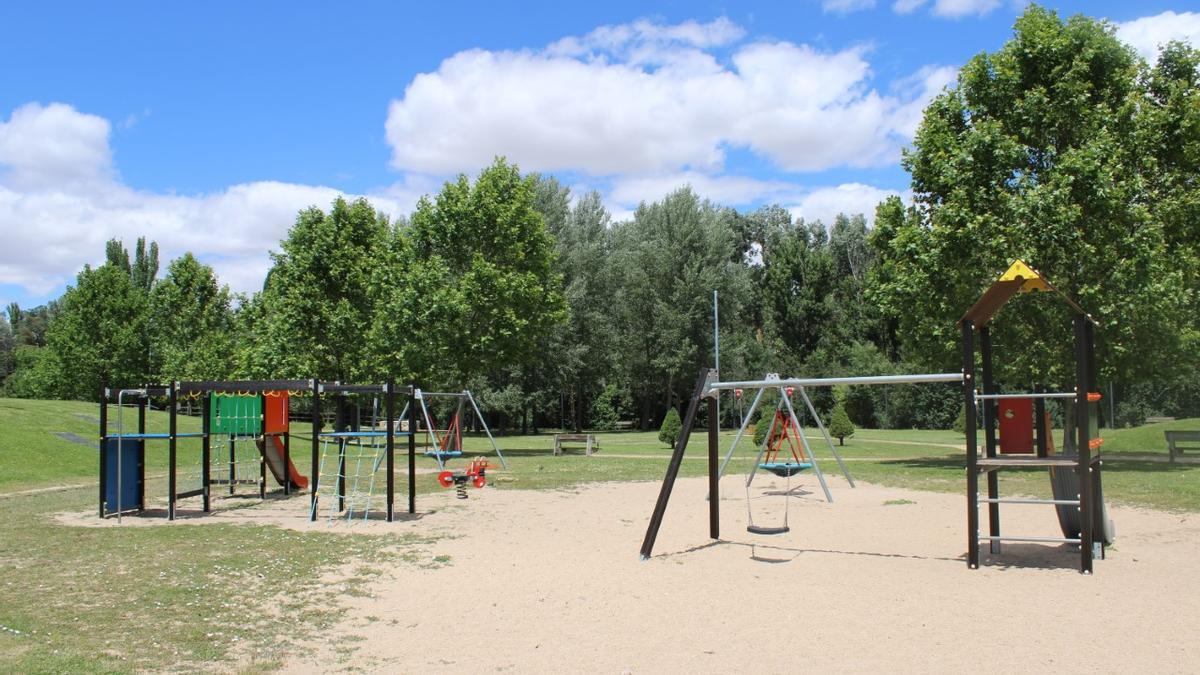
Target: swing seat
(443, 454)
(785, 469)
(756, 529)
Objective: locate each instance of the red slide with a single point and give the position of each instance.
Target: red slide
(273, 453)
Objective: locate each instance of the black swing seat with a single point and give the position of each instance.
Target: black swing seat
(785, 469)
(755, 529)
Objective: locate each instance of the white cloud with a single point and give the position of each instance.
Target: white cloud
(647, 98)
(949, 9)
(729, 190)
(43, 146)
(60, 200)
(824, 204)
(846, 6)
(1149, 33)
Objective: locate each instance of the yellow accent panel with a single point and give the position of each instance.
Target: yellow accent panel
(1029, 278)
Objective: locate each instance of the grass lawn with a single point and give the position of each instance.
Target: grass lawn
(236, 596)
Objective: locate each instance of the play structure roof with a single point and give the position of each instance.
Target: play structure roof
(1018, 278)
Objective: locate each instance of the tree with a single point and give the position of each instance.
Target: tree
(1039, 154)
(585, 349)
(316, 305)
(191, 323)
(478, 277)
(671, 427)
(99, 333)
(840, 424)
(6, 349)
(671, 257)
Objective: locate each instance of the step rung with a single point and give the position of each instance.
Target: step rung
(1018, 500)
(1050, 540)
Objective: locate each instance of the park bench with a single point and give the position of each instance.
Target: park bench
(1192, 438)
(593, 445)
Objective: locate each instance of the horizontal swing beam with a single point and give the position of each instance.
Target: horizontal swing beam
(1017, 500)
(922, 378)
(998, 397)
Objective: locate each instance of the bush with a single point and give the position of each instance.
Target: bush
(608, 407)
(840, 424)
(669, 431)
(960, 422)
(766, 418)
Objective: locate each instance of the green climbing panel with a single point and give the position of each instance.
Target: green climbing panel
(235, 415)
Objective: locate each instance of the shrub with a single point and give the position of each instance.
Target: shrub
(840, 424)
(669, 431)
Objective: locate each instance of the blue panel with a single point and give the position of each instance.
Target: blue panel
(132, 454)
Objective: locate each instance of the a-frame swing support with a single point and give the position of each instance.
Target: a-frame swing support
(707, 387)
(464, 397)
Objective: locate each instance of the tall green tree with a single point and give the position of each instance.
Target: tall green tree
(99, 333)
(316, 306)
(672, 255)
(480, 288)
(191, 323)
(1039, 153)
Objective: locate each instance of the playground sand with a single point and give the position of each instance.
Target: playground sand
(552, 582)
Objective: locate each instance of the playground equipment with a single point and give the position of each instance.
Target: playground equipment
(785, 428)
(708, 386)
(1075, 479)
(782, 432)
(446, 443)
(241, 410)
(475, 474)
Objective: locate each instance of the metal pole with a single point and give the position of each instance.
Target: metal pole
(989, 434)
(787, 401)
(1083, 431)
(664, 493)
(103, 442)
(828, 438)
(314, 475)
(412, 447)
(717, 353)
(390, 406)
(171, 451)
(741, 431)
(968, 376)
(486, 430)
(714, 480)
(918, 378)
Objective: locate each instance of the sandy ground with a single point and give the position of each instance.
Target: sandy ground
(552, 582)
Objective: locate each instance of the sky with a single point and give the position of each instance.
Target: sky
(207, 126)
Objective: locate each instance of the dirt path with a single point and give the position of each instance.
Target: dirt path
(551, 582)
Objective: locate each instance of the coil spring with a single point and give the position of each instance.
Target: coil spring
(460, 486)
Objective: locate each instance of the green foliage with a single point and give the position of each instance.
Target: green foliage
(960, 422)
(609, 407)
(99, 334)
(191, 323)
(671, 426)
(1040, 153)
(671, 256)
(478, 280)
(839, 423)
(35, 374)
(316, 305)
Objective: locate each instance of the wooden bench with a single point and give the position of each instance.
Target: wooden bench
(593, 445)
(1192, 438)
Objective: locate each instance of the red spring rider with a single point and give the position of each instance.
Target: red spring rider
(475, 473)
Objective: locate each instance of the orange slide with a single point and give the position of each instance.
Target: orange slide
(273, 453)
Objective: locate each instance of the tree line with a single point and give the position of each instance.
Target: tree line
(1062, 148)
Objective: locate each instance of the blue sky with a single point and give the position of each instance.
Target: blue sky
(206, 126)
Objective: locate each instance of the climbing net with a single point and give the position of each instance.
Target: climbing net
(351, 463)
